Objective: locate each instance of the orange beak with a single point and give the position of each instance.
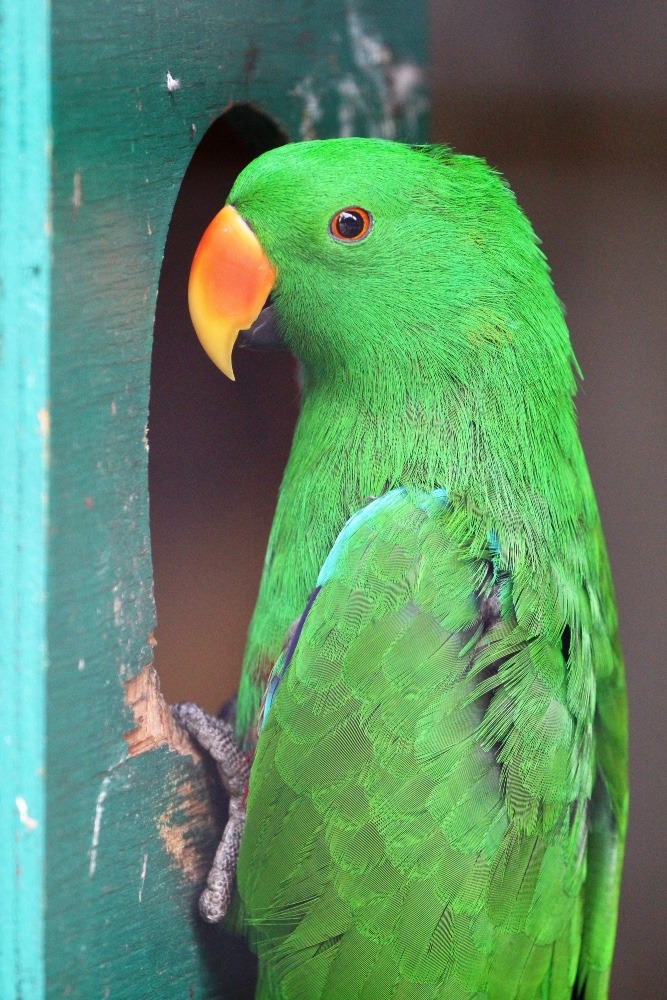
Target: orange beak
(230, 280)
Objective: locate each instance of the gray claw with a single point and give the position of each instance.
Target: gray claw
(217, 736)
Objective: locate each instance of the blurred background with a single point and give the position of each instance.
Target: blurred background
(568, 100)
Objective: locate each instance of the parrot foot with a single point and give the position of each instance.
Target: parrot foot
(217, 736)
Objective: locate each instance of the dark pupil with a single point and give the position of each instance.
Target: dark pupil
(349, 225)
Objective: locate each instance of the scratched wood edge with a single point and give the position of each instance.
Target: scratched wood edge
(187, 825)
(24, 291)
(133, 817)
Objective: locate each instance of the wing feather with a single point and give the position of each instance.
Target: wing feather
(418, 810)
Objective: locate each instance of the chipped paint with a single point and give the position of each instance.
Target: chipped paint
(407, 90)
(311, 111)
(189, 826)
(379, 97)
(185, 824)
(391, 89)
(99, 812)
(142, 877)
(77, 197)
(24, 816)
(154, 723)
(187, 821)
(97, 824)
(118, 612)
(44, 421)
(173, 83)
(350, 105)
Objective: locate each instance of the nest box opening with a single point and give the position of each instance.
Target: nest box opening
(217, 448)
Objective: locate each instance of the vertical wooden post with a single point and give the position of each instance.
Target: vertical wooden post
(24, 424)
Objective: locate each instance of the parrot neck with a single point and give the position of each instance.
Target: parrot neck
(507, 457)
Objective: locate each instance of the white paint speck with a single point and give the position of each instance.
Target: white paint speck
(77, 198)
(81, 665)
(144, 866)
(172, 83)
(26, 819)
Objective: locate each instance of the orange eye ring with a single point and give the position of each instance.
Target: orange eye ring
(350, 225)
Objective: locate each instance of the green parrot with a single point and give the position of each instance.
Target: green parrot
(432, 710)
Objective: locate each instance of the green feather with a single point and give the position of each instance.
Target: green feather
(439, 796)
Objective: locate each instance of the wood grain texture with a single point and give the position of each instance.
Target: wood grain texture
(24, 421)
(129, 836)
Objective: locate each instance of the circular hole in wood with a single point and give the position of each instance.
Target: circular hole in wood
(217, 448)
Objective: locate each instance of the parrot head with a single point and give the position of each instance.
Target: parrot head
(378, 256)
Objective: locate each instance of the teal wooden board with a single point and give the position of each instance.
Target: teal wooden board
(129, 827)
(24, 297)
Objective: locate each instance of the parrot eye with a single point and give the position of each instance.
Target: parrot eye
(351, 224)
